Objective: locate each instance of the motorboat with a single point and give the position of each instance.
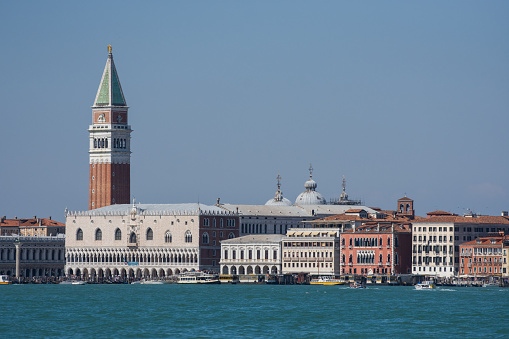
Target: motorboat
(426, 285)
(4, 280)
(355, 284)
(327, 280)
(197, 278)
(492, 284)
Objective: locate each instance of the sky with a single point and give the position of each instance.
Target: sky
(401, 97)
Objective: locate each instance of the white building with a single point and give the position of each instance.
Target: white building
(436, 240)
(311, 250)
(146, 240)
(251, 254)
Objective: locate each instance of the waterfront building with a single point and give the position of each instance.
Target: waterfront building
(484, 256)
(311, 250)
(377, 248)
(149, 240)
(252, 254)
(31, 227)
(32, 256)
(436, 240)
(109, 142)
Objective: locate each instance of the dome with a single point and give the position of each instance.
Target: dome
(278, 199)
(310, 196)
(282, 202)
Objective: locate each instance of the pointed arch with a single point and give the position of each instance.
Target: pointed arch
(150, 234)
(98, 234)
(79, 234)
(118, 234)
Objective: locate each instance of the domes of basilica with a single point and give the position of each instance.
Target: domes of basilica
(310, 196)
(278, 199)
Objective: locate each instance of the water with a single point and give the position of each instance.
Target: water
(219, 311)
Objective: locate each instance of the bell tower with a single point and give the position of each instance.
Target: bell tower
(110, 143)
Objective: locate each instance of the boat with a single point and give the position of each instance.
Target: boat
(154, 282)
(197, 278)
(79, 282)
(426, 285)
(492, 284)
(327, 280)
(355, 284)
(4, 280)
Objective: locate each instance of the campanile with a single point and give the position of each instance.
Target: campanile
(110, 143)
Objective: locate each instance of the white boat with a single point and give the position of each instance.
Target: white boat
(4, 280)
(197, 278)
(492, 284)
(79, 282)
(153, 282)
(426, 285)
(327, 280)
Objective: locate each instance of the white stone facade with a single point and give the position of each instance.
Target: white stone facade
(251, 254)
(146, 240)
(435, 241)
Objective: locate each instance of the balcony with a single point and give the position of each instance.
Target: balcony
(343, 247)
(350, 264)
(469, 265)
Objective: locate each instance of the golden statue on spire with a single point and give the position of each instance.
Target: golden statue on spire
(109, 49)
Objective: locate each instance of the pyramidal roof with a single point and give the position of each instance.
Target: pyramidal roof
(110, 92)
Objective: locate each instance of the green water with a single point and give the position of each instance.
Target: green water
(219, 311)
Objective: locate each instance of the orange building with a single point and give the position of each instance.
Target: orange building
(484, 256)
(33, 227)
(376, 249)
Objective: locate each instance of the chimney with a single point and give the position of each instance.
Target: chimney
(217, 201)
(50, 217)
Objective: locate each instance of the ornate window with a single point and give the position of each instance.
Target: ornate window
(132, 238)
(98, 234)
(79, 234)
(206, 222)
(118, 234)
(231, 235)
(188, 236)
(167, 237)
(205, 238)
(150, 234)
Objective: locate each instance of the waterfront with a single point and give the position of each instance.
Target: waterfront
(251, 311)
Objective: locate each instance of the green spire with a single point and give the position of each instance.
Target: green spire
(110, 92)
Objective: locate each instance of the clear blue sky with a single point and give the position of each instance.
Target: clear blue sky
(398, 96)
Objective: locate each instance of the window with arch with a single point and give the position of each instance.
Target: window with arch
(132, 238)
(118, 234)
(167, 237)
(231, 235)
(214, 223)
(188, 236)
(150, 234)
(79, 234)
(98, 234)
(205, 238)
(221, 223)
(206, 222)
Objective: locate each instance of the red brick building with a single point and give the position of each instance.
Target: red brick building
(376, 249)
(484, 256)
(110, 143)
